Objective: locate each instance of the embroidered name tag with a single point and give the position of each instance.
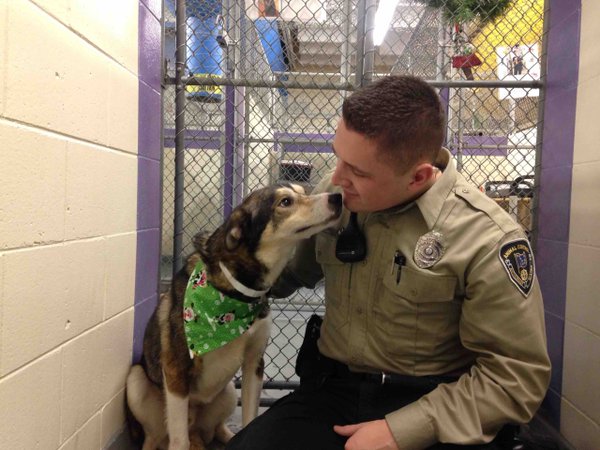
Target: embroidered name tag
(517, 259)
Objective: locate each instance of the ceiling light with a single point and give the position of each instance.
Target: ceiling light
(383, 19)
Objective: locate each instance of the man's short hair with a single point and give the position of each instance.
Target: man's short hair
(402, 114)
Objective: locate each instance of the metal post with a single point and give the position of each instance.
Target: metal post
(459, 147)
(360, 41)
(540, 129)
(441, 54)
(240, 117)
(345, 57)
(439, 70)
(235, 170)
(180, 64)
(369, 49)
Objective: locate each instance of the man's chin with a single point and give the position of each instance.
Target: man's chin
(353, 204)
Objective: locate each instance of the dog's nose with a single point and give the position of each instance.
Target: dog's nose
(335, 200)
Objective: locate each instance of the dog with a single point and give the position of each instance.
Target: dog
(183, 392)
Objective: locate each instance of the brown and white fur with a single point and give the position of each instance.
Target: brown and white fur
(185, 402)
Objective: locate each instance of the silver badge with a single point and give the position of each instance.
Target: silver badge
(429, 249)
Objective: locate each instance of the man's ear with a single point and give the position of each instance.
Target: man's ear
(423, 174)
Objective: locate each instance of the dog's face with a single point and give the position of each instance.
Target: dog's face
(264, 229)
(281, 214)
(295, 215)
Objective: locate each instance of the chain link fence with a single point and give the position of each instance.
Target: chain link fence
(254, 88)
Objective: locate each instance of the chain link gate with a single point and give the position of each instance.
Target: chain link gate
(253, 91)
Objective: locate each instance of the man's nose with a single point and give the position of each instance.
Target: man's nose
(338, 178)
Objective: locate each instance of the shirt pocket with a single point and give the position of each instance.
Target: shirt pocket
(336, 279)
(419, 312)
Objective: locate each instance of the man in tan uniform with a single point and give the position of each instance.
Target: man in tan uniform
(434, 328)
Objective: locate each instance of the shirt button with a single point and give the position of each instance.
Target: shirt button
(465, 191)
(359, 310)
(414, 292)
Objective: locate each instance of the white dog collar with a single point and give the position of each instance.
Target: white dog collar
(239, 286)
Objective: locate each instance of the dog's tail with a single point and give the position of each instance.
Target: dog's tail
(135, 428)
(136, 431)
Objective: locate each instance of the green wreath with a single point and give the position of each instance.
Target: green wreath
(463, 11)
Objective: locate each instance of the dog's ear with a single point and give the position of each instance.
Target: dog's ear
(199, 241)
(235, 228)
(233, 237)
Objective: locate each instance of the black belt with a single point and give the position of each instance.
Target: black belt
(342, 371)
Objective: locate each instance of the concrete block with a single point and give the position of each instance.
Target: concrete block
(585, 209)
(32, 198)
(589, 56)
(582, 306)
(51, 294)
(29, 399)
(113, 418)
(582, 358)
(3, 44)
(95, 366)
(55, 80)
(588, 96)
(101, 192)
(112, 25)
(581, 432)
(88, 437)
(120, 273)
(122, 108)
(59, 9)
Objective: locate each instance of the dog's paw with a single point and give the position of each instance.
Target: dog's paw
(223, 433)
(197, 444)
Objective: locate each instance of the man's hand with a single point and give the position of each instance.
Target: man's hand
(374, 435)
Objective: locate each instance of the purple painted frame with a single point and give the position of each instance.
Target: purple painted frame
(562, 72)
(475, 143)
(555, 180)
(205, 139)
(149, 168)
(314, 142)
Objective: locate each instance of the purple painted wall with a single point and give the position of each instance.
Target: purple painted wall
(555, 181)
(149, 168)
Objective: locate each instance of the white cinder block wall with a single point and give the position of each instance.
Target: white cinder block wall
(580, 407)
(68, 202)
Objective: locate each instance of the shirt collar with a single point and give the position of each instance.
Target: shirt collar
(431, 202)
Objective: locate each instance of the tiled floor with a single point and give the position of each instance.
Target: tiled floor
(123, 441)
(537, 436)
(287, 333)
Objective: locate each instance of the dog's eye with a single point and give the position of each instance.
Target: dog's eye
(285, 202)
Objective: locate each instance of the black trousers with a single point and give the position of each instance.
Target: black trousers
(329, 395)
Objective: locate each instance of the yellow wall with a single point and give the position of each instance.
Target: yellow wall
(522, 24)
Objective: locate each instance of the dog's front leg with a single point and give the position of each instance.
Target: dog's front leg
(252, 380)
(177, 410)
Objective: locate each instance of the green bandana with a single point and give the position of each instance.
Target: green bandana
(211, 319)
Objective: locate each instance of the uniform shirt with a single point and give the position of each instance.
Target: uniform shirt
(465, 312)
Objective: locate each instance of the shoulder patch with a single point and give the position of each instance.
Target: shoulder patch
(517, 260)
